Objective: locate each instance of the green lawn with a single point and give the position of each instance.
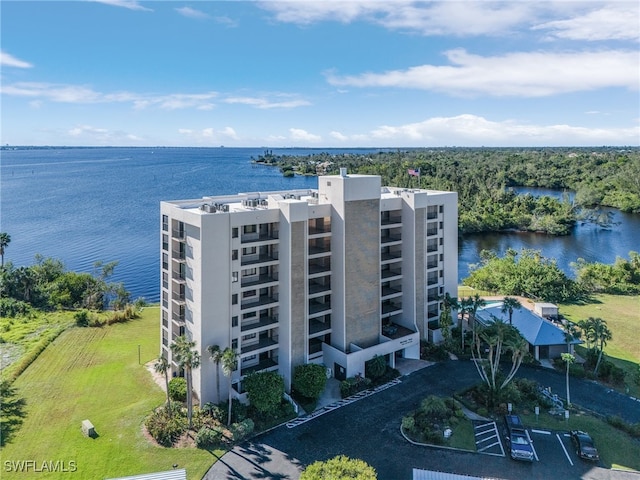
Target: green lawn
(93, 373)
(616, 448)
(622, 314)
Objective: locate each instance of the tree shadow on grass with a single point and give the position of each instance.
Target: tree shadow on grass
(12, 412)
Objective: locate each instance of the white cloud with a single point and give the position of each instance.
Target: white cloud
(90, 135)
(523, 74)
(192, 13)
(8, 60)
(209, 135)
(472, 130)
(128, 4)
(339, 136)
(263, 103)
(427, 18)
(62, 93)
(613, 21)
(298, 134)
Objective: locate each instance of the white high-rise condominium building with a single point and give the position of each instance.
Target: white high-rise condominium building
(332, 276)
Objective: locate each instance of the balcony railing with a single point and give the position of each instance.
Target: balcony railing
(391, 273)
(387, 256)
(178, 297)
(319, 268)
(315, 288)
(263, 237)
(317, 326)
(178, 276)
(317, 307)
(390, 239)
(261, 323)
(318, 250)
(178, 254)
(391, 220)
(388, 291)
(391, 308)
(259, 280)
(259, 301)
(177, 317)
(252, 259)
(319, 231)
(264, 365)
(260, 344)
(177, 233)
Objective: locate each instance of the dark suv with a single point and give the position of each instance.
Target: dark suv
(517, 439)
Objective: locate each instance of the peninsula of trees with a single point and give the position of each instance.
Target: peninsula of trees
(484, 177)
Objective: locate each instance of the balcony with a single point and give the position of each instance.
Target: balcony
(178, 255)
(267, 364)
(263, 237)
(315, 268)
(390, 256)
(178, 297)
(395, 331)
(384, 239)
(179, 277)
(262, 343)
(389, 309)
(319, 250)
(389, 273)
(387, 221)
(388, 291)
(261, 323)
(316, 287)
(255, 259)
(316, 326)
(258, 280)
(259, 301)
(318, 307)
(178, 317)
(178, 233)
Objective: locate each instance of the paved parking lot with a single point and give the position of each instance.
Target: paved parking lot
(370, 429)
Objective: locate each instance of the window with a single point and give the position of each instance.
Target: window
(234, 254)
(441, 225)
(441, 273)
(234, 299)
(165, 241)
(249, 293)
(247, 315)
(441, 241)
(249, 272)
(234, 232)
(165, 223)
(234, 277)
(234, 321)
(165, 280)
(441, 208)
(165, 261)
(249, 251)
(234, 344)
(165, 299)
(165, 318)
(249, 229)
(251, 336)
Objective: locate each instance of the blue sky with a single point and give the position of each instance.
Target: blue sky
(320, 74)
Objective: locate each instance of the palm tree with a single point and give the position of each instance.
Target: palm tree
(229, 365)
(508, 305)
(215, 355)
(449, 303)
(465, 306)
(5, 240)
(477, 303)
(162, 366)
(601, 335)
(569, 359)
(187, 358)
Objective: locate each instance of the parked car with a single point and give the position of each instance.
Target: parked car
(520, 447)
(585, 447)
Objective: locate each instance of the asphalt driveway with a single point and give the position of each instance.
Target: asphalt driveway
(369, 429)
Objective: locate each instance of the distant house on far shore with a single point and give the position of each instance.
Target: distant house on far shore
(546, 339)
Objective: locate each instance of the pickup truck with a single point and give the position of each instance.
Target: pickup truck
(517, 439)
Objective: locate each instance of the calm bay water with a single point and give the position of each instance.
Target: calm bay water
(82, 205)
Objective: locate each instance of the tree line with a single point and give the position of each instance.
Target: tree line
(48, 285)
(483, 178)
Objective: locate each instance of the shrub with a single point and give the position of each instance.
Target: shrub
(81, 318)
(265, 391)
(10, 307)
(433, 352)
(309, 380)
(165, 428)
(408, 423)
(339, 468)
(178, 389)
(632, 429)
(376, 367)
(209, 437)
(353, 385)
(242, 430)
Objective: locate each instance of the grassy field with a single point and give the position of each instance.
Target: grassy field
(94, 373)
(617, 449)
(622, 314)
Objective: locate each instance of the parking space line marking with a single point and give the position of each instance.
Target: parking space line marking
(488, 446)
(535, 454)
(545, 432)
(565, 450)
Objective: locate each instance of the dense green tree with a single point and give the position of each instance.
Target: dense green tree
(309, 380)
(449, 304)
(339, 468)
(265, 391)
